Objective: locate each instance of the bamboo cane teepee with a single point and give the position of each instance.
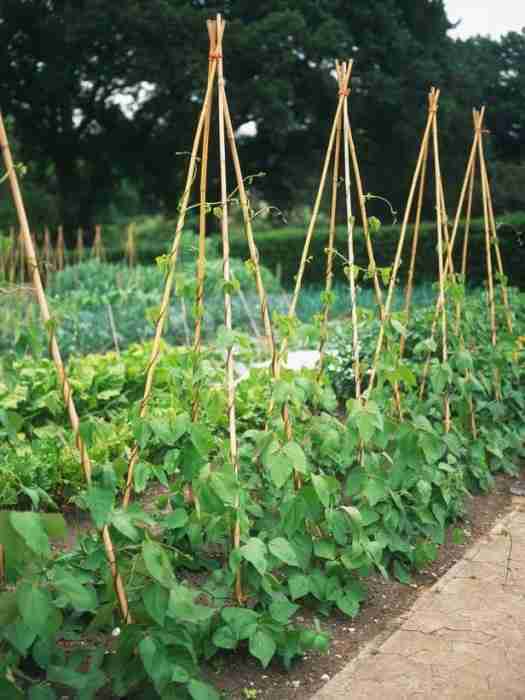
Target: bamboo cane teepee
(226, 134)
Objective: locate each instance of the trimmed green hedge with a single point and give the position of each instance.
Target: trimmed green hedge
(282, 249)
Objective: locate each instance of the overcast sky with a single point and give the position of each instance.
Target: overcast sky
(494, 17)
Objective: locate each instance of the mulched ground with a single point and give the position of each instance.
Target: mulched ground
(241, 678)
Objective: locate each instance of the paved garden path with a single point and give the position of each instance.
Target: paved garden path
(464, 638)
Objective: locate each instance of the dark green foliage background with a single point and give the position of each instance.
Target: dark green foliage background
(280, 249)
(66, 66)
(283, 247)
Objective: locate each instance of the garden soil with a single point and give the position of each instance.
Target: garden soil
(358, 643)
(385, 614)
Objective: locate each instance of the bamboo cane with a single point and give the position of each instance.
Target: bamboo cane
(441, 226)
(323, 335)
(168, 284)
(494, 236)
(201, 260)
(419, 174)
(98, 251)
(489, 215)
(57, 358)
(450, 247)
(230, 378)
(113, 328)
(185, 326)
(60, 250)
(415, 240)
(351, 251)
(468, 184)
(246, 309)
(319, 197)
(304, 257)
(131, 252)
(488, 257)
(468, 219)
(80, 245)
(47, 254)
(254, 253)
(364, 216)
(343, 87)
(22, 257)
(477, 149)
(13, 254)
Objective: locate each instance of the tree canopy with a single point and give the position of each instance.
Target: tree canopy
(104, 96)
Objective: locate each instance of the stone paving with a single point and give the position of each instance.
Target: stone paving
(464, 638)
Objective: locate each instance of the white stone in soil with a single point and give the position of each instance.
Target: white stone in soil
(296, 361)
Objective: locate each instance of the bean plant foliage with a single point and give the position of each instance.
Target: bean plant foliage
(374, 493)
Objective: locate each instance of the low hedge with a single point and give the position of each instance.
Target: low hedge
(281, 250)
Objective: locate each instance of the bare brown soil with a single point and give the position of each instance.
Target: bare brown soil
(240, 677)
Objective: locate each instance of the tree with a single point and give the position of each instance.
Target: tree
(492, 73)
(507, 99)
(66, 67)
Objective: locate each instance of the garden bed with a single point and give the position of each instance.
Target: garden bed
(239, 677)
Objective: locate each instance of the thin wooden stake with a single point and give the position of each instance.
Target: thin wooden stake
(319, 197)
(246, 308)
(80, 245)
(415, 240)
(310, 232)
(131, 251)
(419, 174)
(60, 250)
(442, 237)
(13, 252)
(168, 284)
(488, 259)
(113, 328)
(201, 260)
(185, 326)
(98, 247)
(468, 218)
(450, 247)
(254, 253)
(364, 216)
(343, 92)
(57, 358)
(351, 252)
(230, 378)
(22, 256)
(47, 254)
(330, 250)
(468, 186)
(494, 236)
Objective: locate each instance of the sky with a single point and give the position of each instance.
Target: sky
(486, 17)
